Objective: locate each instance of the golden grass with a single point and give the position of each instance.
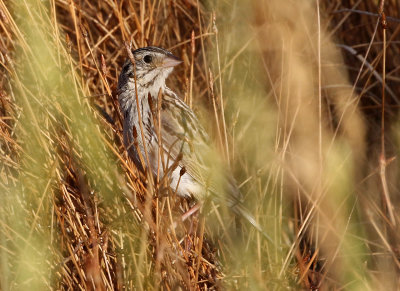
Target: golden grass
(291, 92)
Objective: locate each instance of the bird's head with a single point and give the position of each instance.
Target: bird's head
(152, 66)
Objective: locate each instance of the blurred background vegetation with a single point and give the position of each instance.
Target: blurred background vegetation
(292, 93)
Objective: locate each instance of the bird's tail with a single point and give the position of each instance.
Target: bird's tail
(243, 212)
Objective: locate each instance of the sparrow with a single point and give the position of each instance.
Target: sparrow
(163, 135)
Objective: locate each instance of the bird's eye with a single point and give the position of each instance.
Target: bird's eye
(147, 59)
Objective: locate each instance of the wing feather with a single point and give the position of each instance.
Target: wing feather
(183, 136)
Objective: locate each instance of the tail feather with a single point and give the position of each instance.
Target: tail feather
(243, 212)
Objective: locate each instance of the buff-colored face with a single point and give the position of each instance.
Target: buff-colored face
(151, 58)
(152, 67)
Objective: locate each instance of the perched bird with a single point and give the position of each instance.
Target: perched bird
(170, 141)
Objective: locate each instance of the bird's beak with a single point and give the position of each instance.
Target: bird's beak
(170, 61)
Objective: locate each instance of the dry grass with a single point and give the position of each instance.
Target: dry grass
(293, 96)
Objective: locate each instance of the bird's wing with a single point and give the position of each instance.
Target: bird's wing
(182, 135)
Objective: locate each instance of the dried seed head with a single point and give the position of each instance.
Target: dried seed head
(83, 31)
(68, 43)
(103, 65)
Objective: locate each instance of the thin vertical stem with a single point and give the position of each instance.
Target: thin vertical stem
(220, 94)
(319, 89)
(382, 158)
